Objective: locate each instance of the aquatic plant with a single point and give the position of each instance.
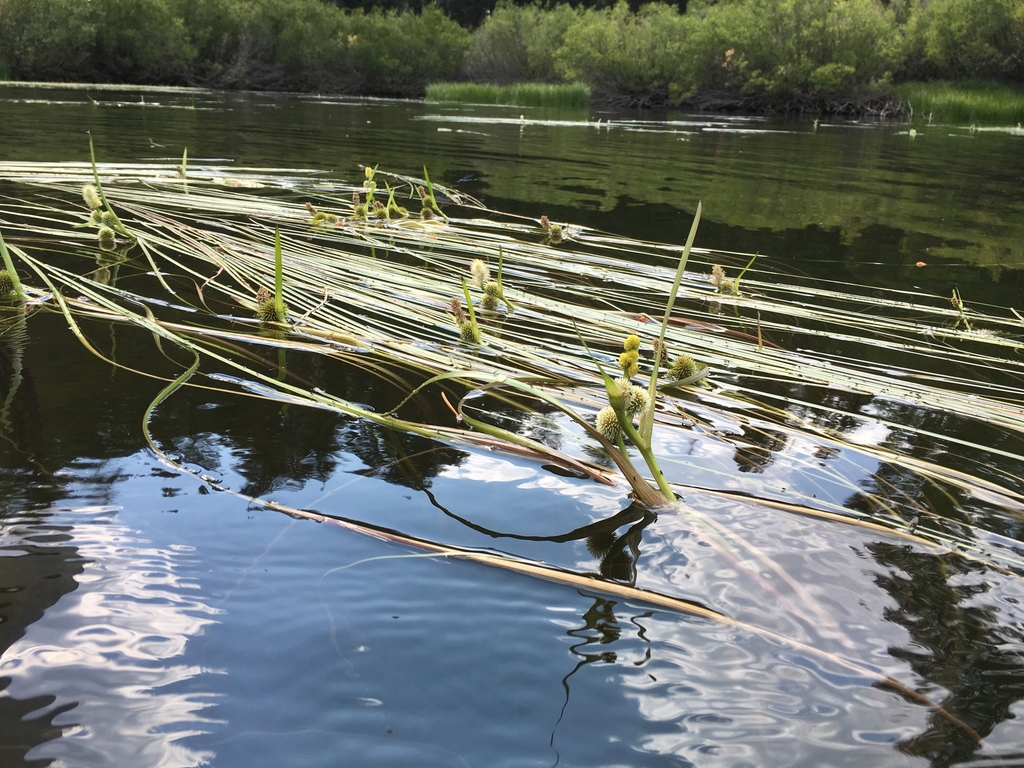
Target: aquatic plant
(965, 102)
(383, 294)
(530, 94)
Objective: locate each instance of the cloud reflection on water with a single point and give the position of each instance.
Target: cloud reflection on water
(106, 651)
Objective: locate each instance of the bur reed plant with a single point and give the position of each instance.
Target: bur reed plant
(388, 313)
(377, 293)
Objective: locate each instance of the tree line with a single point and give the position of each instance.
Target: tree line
(752, 53)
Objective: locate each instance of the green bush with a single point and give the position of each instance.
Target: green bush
(397, 54)
(518, 43)
(967, 39)
(35, 46)
(788, 48)
(641, 57)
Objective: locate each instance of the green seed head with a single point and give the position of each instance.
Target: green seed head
(468, 333)
(632, 343)
(489, 302)
(108, 219)
(266, 311)
(6, 283)
(107, 238)
(683, 367)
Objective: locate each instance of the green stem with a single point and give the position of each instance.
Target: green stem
(279, 279)
(19, 291)
(472, 312)
(501, 289)
(118, 226)
(430, 192)
(647, 418)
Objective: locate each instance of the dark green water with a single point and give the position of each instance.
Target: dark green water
(145, 620)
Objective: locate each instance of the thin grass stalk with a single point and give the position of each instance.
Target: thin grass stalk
(279, 279)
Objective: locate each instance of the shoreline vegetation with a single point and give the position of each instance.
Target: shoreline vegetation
(955, 59)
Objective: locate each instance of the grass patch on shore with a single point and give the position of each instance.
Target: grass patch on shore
(964, 102)
(518, 94)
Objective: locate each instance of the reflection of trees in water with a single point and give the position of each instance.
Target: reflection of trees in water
(535, 419)
(957, 645)
(759, 449)
(275, 446)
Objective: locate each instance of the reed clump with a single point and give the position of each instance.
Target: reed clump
(401, 293)
(970, 103)
(555, 95)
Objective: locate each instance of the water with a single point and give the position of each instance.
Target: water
(147, 620)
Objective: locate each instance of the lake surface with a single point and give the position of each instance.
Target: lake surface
(147, 620)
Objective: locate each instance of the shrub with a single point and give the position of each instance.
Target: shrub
(140, 41)
(640, 57)
(786, 48)
(518, 43)
(399, 53)
(35, 46)
(967, 39)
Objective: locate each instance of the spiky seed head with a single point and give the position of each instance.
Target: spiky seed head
(631, 343)
(266, 311)
(636, 399)
(493, 289)
(6, 283)
(683, 367)
(359, 211)
(96, 217)
(426, 212)
(325, 219)
(468, 333)
(108, 219)
(489, 301)
(91, 196)
(107, 238)
(480, 273)
(395, 211)
(607, 423)
(554, 234)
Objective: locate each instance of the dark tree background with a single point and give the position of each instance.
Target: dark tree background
(471, 13)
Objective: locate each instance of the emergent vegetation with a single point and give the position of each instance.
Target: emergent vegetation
(832, 55)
